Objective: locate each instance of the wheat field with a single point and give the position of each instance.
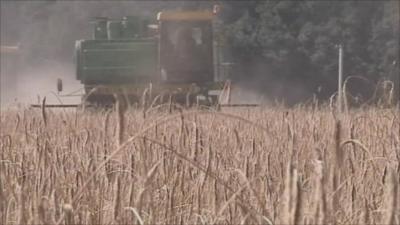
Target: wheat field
(267, 165)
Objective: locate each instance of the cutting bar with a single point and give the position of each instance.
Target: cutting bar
(55, 105)
(239, 105)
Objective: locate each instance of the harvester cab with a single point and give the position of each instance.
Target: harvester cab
(186, 47)
(10, 63)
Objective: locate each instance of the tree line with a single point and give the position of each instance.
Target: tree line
(281, 47)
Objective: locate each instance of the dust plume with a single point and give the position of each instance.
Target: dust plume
(45, 32)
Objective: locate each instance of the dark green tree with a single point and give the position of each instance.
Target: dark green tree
(293, 43)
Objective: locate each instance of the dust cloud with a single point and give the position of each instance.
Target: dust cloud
(30, 83)
(39, 82)
(45, 32)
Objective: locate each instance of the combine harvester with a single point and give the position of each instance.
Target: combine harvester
(131, 60)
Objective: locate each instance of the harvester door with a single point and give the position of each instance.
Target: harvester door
(10, 60)
(186, 51)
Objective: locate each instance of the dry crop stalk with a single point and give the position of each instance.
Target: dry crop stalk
(53, 165)
(121, 107)
(69, 217)
(391, 198)
(290, 196)
(320, 196)
(117, 202)
(44, 114)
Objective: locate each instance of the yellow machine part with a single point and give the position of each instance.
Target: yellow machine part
(8, 49)
(185, 16)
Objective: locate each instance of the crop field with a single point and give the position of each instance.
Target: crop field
(235, 166)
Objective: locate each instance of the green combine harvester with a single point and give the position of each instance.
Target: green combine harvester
(132, 60)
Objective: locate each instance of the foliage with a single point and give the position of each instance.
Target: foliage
(298, 39)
